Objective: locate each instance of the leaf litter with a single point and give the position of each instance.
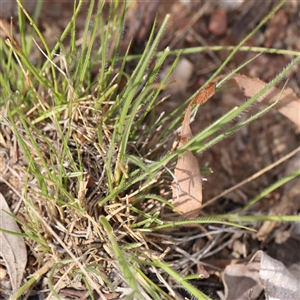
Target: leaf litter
(187, 188)
(289, 104)
(187, 185)
(261, 273)
(12, 247)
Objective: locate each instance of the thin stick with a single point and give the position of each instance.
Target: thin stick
(259, 173)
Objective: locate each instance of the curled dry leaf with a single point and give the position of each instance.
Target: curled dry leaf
(289, 104)
(242, 281)
(278, 281)
(12, 247)
(187, 188)
(262, 272)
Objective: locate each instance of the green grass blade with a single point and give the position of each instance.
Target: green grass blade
(63, 35)
(189, 287)
(270, 189)
(256, 218)
(123, 263)
(32, 23)
(133, 86)
(208, 220)
(194, 50)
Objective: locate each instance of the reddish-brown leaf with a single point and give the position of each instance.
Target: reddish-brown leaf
(205, 95)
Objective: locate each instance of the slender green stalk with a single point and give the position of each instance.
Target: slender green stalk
(194, 50)
(23, 26)
(63, 35)
(123, 263)
(270, 189)
(197, 221)
(195, 292)
(256, 218)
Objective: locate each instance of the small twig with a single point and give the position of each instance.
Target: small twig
(204, 234)
(259, 173)
(224, 245)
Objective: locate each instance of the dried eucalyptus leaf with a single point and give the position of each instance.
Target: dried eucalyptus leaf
(12, 247)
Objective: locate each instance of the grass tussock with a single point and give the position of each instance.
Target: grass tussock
(97, 160)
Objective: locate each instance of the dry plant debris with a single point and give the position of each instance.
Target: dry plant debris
(261, 273)
(289, 103)
(187, 185)
(12, 247)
